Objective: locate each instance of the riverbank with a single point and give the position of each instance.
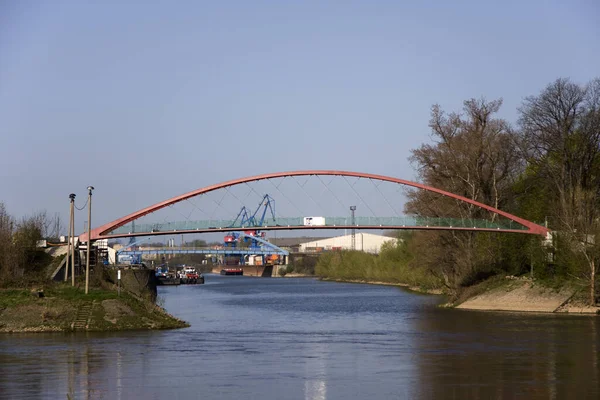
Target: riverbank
(295, 275)
(402, 285)
(507, 294)
(524, 295)
(63, 308)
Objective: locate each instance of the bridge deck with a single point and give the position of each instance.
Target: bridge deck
(170, 250)
(330, 223)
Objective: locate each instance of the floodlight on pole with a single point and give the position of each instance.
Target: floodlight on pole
(71, 241)
(72, 223)
(353, 241)
(71, 197)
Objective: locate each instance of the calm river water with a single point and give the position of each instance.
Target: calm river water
(260, 338)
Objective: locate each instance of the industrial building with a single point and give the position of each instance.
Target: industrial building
(367, 242)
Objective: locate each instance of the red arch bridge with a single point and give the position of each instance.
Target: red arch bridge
(306, 200)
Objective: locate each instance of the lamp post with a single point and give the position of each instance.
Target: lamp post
(89, 240)
(69, 239)
(72, 223)
(72, 227)
(71, 245)
(353, 241)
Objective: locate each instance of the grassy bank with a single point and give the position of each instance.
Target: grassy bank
(64, 308)
(391, 266)
(498, 292)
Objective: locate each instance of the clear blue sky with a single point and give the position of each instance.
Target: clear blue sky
(146, 100)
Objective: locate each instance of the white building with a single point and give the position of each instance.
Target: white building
(366, 242)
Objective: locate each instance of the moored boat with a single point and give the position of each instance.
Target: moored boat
(164, 277)
(232, 271)
(189, 275)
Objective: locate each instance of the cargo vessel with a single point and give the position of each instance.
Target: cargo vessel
(232, 271)
(190, 275)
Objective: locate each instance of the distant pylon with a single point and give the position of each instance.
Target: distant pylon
(353, 240)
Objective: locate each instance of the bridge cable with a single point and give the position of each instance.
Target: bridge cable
(253, 190)
(179, 212)
(361, 200)
(248, 194)
(382, 195)
(195, 206)
(359, 196)
(161, 224)
(285, 197)
(306, 193)
(333, 194)
(305, 182)
(238, 199)
(219, 205)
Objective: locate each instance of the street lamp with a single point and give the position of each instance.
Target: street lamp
(72, 197)
(71, 239)
(89, 240)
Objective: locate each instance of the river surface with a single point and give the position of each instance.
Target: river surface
(295, 338)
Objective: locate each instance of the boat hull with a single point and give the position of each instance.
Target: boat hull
(232, 271)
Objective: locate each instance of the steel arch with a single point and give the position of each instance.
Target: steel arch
(100, 231)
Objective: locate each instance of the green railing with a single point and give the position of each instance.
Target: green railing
(383, 222)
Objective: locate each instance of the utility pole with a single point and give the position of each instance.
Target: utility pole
(69, 239)
(353, 241)
(89, 241)
(72, 228)
(71, 212)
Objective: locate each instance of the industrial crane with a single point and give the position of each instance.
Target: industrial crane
(251, 220)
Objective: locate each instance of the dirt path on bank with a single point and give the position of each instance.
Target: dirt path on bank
(528, 297)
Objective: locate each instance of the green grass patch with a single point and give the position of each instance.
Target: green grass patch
(13, 297)
(70, 293)
(21, 311)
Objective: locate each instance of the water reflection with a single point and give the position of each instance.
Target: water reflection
(119, 370)
(302, 339)
(315, 390)
(315, 386)
(481, 355)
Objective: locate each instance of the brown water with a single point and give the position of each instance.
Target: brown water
(260, 338)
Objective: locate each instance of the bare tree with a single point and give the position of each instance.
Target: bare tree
(53, 226)
(560, 138)
(473, 155)
(18, 239)
(7, 226)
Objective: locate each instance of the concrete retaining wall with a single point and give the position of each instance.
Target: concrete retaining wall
(140, 282)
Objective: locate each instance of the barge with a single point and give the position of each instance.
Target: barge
(232, 271)
(187, 275)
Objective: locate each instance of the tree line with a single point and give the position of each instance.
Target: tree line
(19, 255)
(545, 168)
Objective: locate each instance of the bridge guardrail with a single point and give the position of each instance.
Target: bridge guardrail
(383, 222)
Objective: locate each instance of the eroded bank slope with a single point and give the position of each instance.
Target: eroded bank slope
(526, 296)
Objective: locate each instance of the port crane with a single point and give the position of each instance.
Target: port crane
(251, 220)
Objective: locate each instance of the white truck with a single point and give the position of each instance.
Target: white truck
(314, 221)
